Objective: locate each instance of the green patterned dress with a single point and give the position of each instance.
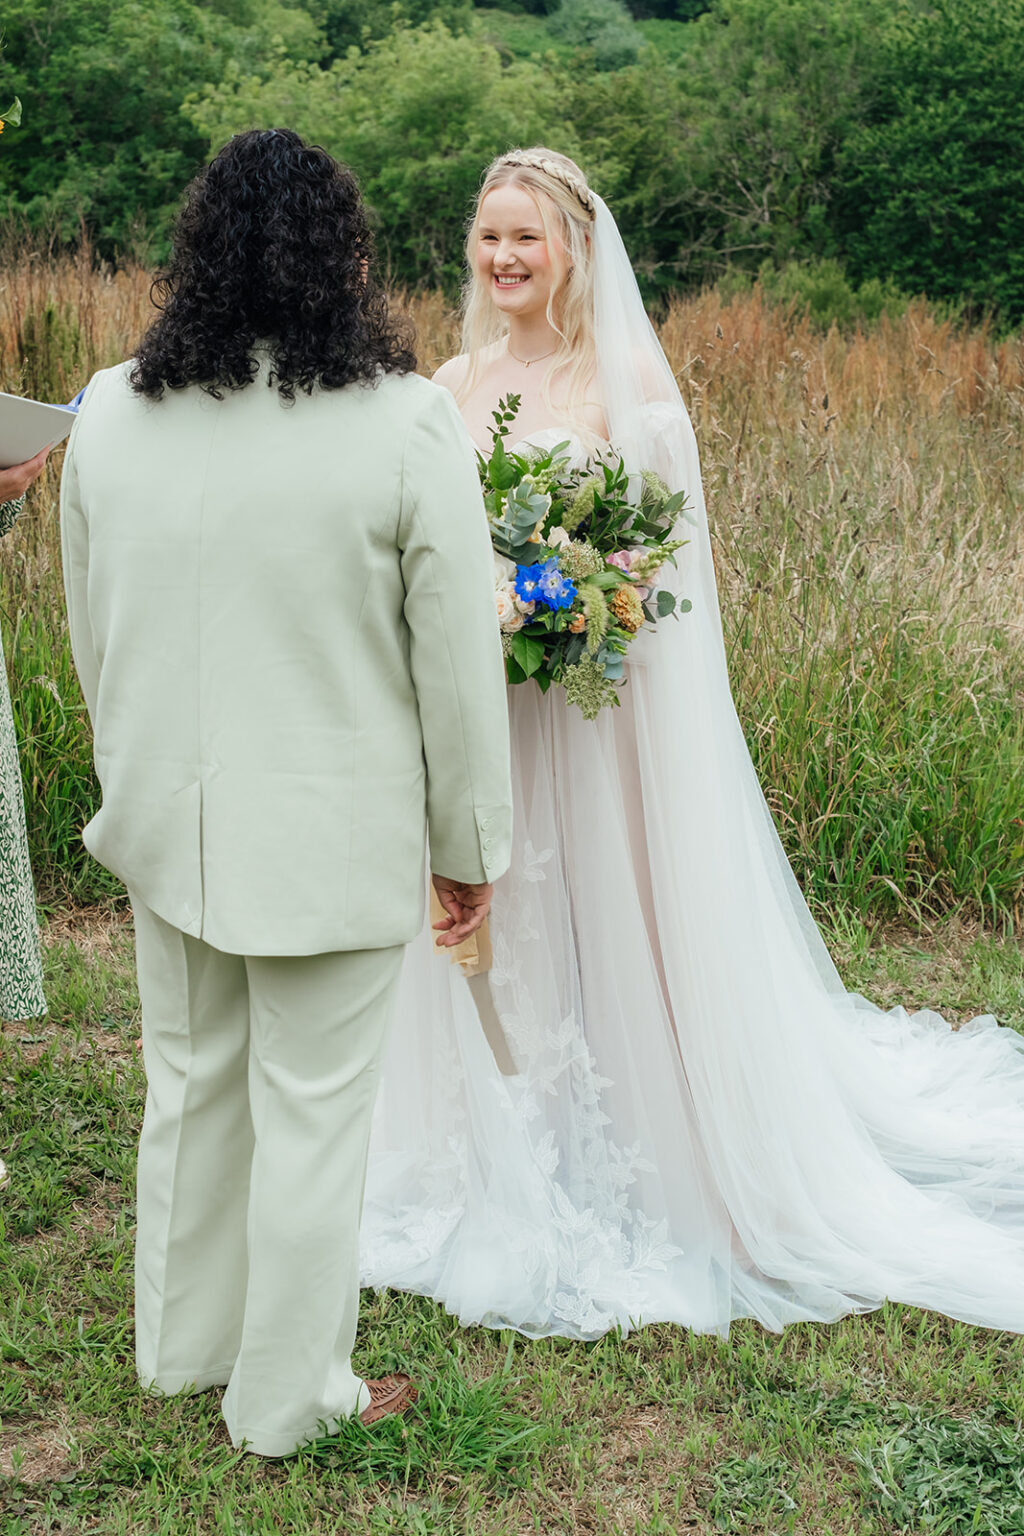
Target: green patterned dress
(21, 976)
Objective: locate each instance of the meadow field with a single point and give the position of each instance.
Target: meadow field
(865, 495)
(865, 491)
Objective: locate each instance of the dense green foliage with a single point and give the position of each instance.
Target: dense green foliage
(933, 174)
(104, 140)
(880, 136)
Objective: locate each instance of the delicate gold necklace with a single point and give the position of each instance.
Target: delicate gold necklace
(527, 362)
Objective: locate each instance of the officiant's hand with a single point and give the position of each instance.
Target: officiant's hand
(14, 482)
(466, 906)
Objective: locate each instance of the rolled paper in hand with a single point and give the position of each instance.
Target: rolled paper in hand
(474, 955)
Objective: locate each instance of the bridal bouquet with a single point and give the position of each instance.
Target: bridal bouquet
(576, 563)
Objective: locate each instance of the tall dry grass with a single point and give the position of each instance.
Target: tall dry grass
(865, 496)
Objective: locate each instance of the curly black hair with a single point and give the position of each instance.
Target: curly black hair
(272, 246)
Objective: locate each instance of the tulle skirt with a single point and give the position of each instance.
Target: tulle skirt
(677, 1125)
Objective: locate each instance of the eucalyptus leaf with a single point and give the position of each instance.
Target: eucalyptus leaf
(611, 661)
(525, 506)
(666, 603)
(526, 553)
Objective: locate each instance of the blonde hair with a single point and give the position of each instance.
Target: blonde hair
(566, 206)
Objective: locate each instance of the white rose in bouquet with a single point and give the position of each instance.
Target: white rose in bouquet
(509, 618)
(504, 571)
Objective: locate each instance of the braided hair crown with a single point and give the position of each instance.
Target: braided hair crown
(562, 170)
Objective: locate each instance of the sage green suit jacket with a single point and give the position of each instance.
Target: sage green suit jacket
(283, 622)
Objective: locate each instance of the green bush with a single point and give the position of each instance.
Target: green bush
(603, 26)
(821, 290)
(637, 156)
(51, 353)
(105, 143)
(880, 134)
(357, 23)
(766, 94)
(929, 183)
(417, 116)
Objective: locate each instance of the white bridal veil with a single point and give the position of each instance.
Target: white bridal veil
(858, 1154)
(701, 1123)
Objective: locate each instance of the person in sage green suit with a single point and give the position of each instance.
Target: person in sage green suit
(279, 583)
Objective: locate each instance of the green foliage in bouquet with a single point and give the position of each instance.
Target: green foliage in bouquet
(12, 115)
(576, 558)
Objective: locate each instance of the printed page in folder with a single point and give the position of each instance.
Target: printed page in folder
(26, 426)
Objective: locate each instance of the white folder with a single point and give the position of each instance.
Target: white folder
(26, 426)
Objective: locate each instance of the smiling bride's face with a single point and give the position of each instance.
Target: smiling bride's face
(516, 262)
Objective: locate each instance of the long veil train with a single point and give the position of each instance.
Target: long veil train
(703, 1124)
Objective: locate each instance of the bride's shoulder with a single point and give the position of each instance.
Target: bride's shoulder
(457, 372)
(453, 373)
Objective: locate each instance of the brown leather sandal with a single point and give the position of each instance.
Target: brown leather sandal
(392, 1394)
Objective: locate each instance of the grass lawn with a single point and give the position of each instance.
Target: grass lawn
(899, 1421)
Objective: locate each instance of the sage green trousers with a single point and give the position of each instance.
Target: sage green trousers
(262, 1073)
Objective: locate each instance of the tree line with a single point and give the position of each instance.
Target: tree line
(874, 144)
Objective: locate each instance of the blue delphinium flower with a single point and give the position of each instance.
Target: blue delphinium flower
(556, 589)
(545, 584)
(527, 582)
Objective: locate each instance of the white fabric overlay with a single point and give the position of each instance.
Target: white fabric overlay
(704, 1124)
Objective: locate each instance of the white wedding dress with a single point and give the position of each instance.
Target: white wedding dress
(702, 1123)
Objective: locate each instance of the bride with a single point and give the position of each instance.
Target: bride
(659, 1103)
